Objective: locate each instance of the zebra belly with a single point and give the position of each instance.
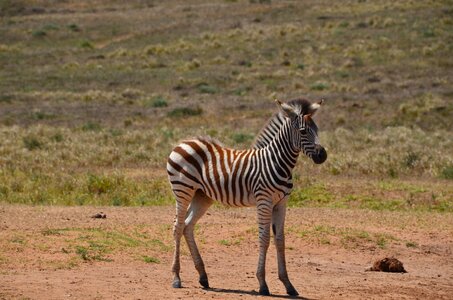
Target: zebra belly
(238, 197)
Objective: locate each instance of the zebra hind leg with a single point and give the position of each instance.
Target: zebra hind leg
(183, 199)
(197, 209)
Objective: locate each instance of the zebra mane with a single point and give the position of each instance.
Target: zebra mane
(207, 138)
(270, 130)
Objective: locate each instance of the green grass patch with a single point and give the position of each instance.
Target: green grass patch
(313, 196)
(150, 260)
(319, 86)
(411, 245)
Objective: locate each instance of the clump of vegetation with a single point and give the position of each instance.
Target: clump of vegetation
(319, 86)
(156, 102)
(241, 138)
(447, 172)
(91, 126)
(74, 27)
(32, 143)
(38, 33)
(102, 184)
(150, 260)
(185, 112)
(86, 44)
(205, 88)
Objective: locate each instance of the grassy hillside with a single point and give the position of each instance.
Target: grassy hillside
(94, 94)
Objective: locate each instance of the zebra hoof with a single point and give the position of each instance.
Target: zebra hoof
(204, 282)
(177, 284)
(264, 291)
(292, 292)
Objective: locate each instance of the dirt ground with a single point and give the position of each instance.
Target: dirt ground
(328, 251)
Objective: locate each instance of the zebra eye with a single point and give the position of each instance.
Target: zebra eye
(303, 130)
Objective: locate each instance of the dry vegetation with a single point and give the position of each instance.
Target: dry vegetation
(94, 95)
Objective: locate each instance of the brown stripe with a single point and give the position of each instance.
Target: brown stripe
(189, 158)
(181, 183)
(214, 169)
(205, 159)
(238, 158)
(181, 170)
(241, 186)
(224, 171)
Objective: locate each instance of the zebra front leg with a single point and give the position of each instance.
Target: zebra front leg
(264, 211)
(278, 226)
(181, 209)
(197, 209)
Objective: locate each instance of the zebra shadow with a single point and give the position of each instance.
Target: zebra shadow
(252, 293)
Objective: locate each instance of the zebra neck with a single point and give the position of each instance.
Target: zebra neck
(282, 150)
(269, 131)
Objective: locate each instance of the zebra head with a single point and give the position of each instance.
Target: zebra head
(306, 132)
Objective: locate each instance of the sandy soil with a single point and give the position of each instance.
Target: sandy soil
(323, 264)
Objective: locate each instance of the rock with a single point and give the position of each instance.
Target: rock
(100, 215)
(387, 264)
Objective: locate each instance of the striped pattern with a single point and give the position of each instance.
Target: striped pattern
(270, 130)
(202, 171)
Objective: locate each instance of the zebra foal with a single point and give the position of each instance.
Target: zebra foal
(201, 171)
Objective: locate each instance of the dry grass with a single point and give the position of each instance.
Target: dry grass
(117, 84)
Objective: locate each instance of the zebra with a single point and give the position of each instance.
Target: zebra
(201, 171)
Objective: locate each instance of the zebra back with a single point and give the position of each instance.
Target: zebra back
(270, 130)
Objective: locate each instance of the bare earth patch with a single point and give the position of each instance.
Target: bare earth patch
(63, 253)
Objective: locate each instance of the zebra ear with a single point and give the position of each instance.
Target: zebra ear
(314, 107)
(287, 110)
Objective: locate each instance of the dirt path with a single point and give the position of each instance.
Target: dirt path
(327, 252)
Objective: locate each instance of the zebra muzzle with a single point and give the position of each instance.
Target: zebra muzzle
(320, 155)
